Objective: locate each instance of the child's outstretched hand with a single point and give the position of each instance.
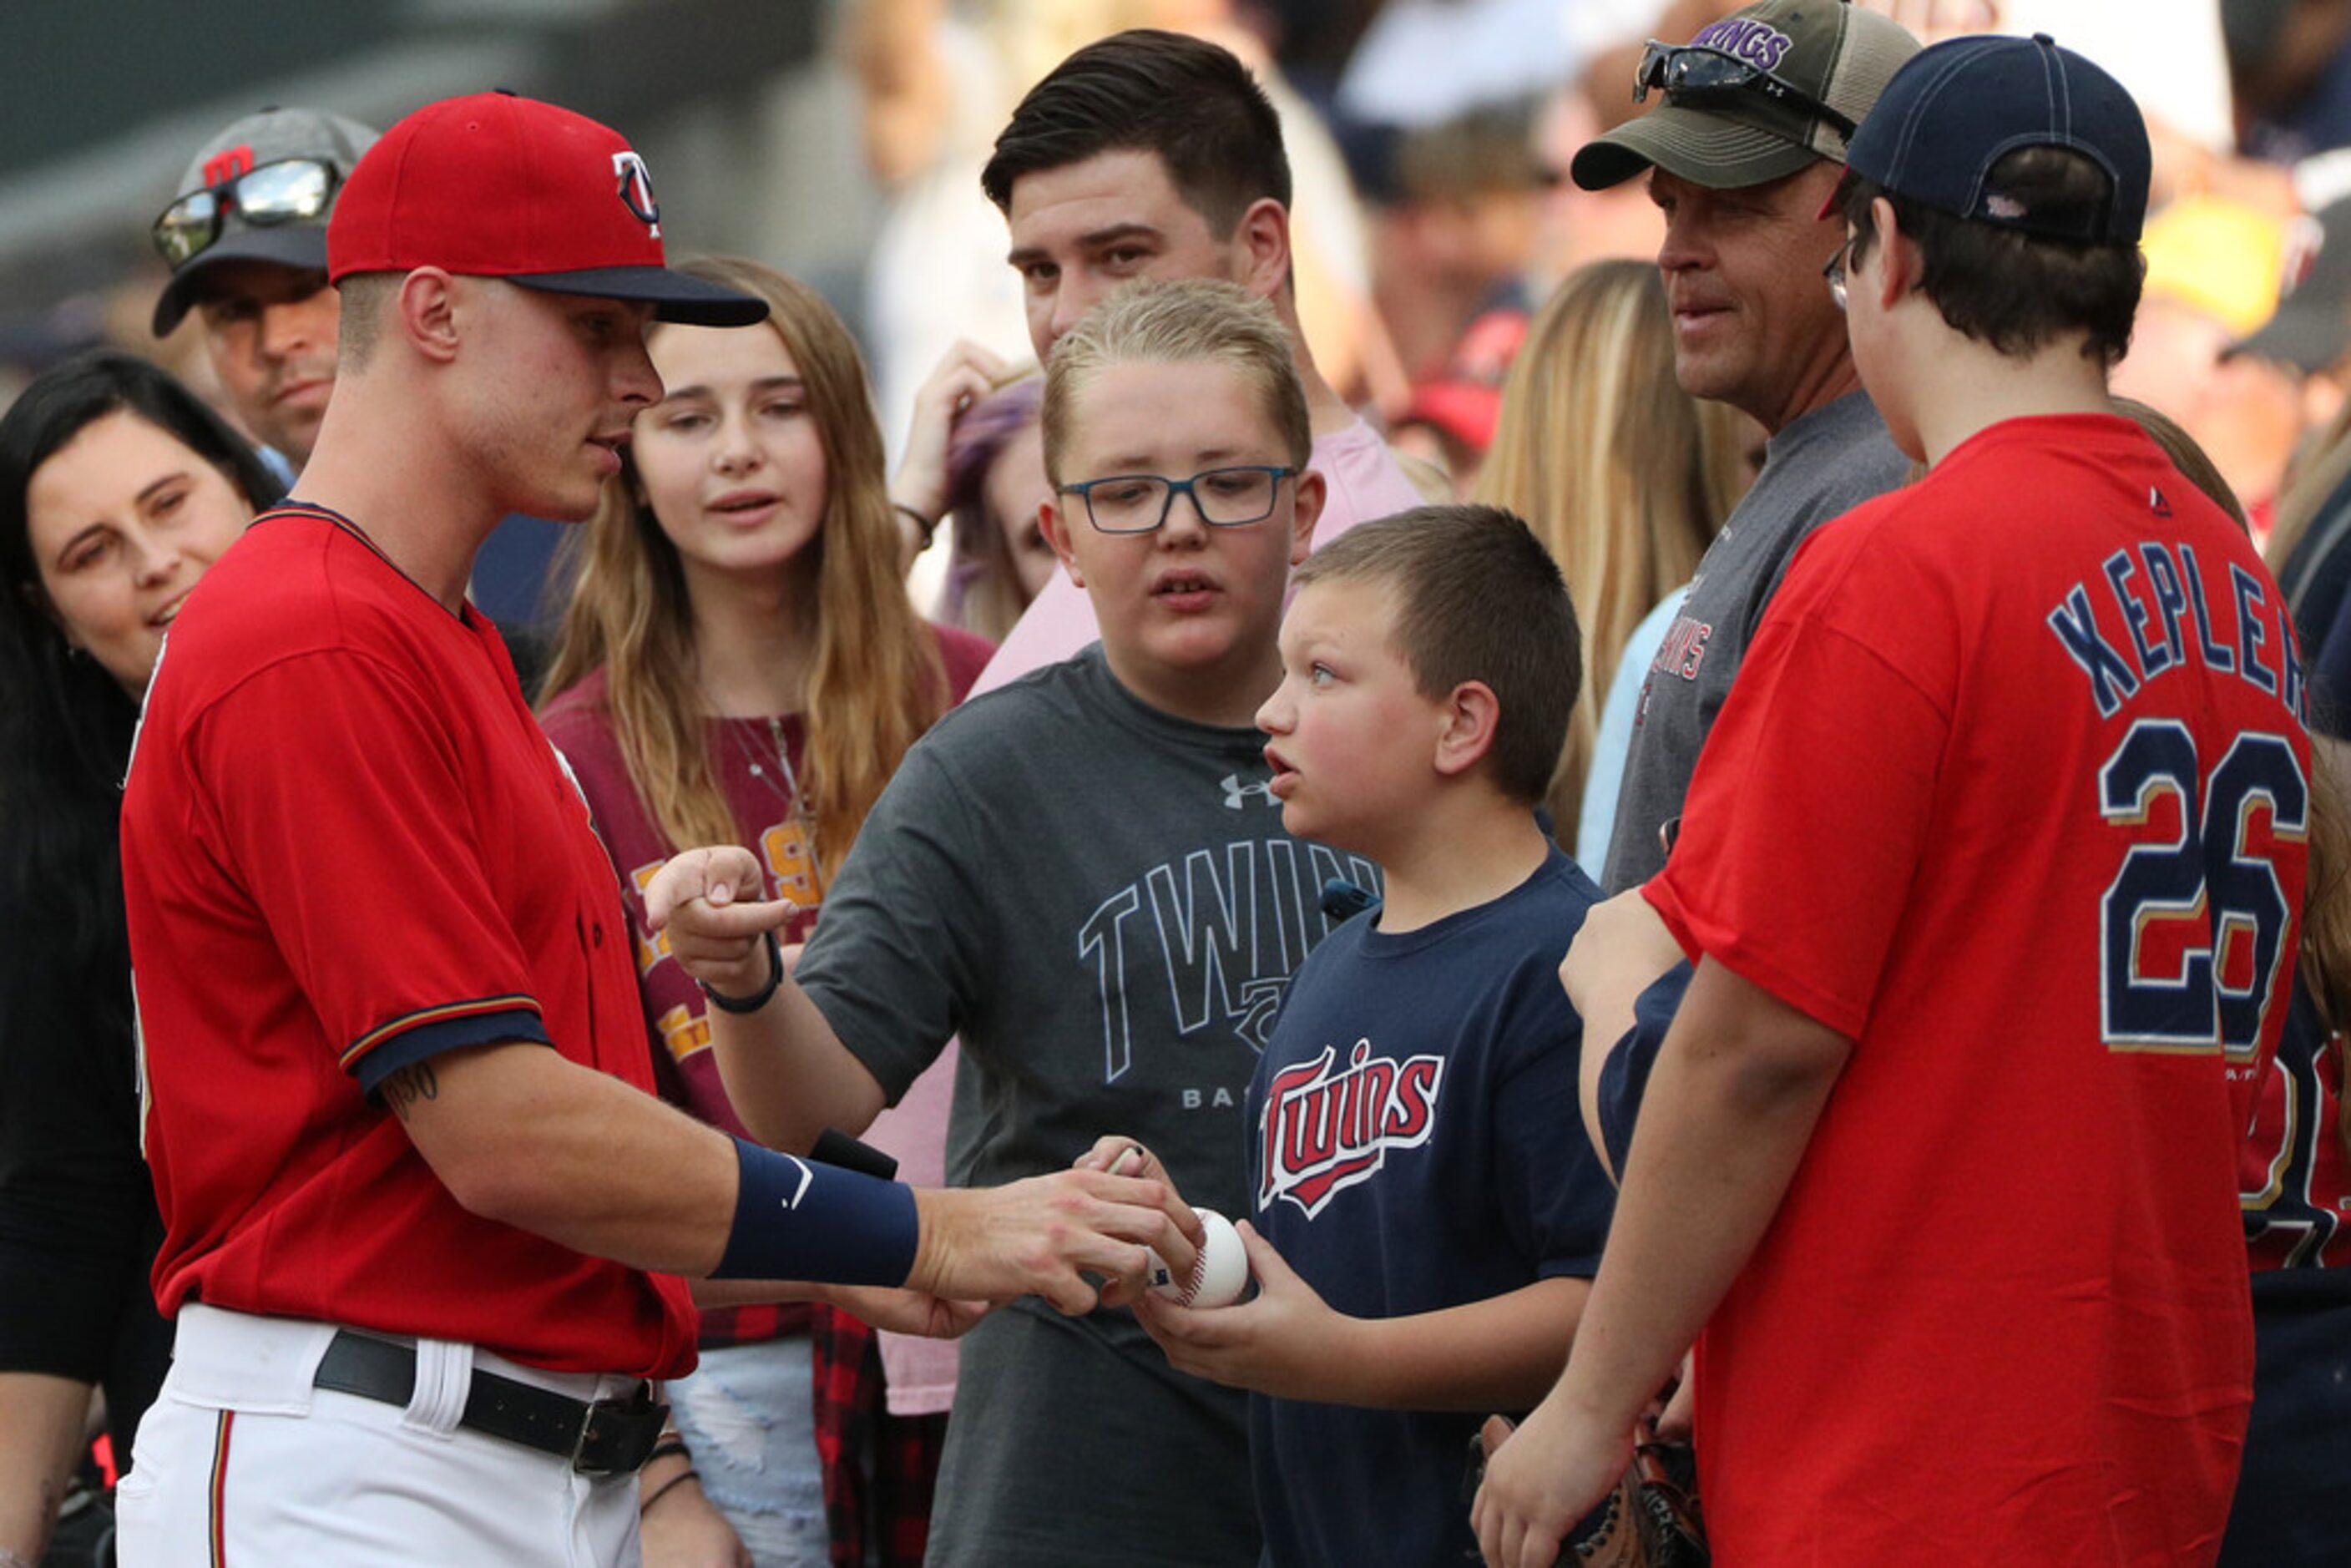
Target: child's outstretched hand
(1285, 1341)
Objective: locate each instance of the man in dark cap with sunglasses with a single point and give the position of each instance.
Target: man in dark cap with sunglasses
(1744, 140)
(247, 239)
(424, 1218)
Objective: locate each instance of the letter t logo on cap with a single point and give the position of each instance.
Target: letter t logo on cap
(637, 190)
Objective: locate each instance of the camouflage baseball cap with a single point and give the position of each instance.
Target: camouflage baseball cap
(1754, 97)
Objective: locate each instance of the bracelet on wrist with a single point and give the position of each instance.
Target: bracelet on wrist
(923, 526)
(666, 1446)
(645, 1505)
(757, 998)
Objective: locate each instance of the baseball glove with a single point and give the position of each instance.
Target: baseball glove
(1650, 1520)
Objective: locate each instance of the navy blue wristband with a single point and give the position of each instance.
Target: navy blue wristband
(797, 1220)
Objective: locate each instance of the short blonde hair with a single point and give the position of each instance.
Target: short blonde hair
(1183, 322)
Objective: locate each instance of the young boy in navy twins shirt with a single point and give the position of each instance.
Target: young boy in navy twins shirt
(1425, 1220)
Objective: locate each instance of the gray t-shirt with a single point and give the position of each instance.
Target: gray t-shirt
(1099, 898)
(1820, 466)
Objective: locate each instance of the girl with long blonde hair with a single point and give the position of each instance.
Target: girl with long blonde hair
(739, 662)
(1624, 477)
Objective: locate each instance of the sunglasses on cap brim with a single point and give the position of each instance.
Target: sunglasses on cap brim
(1697, 76)
(289, 191)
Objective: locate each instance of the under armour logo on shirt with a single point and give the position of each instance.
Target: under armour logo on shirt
(1236, 791)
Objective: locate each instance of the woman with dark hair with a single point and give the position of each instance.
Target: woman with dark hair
(118, 489)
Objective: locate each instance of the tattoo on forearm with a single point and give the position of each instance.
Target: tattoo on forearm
(404, 1088)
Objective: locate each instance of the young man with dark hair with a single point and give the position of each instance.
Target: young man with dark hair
(1748, 142)
(1190, 101)
(1155, 156)
(2001, 838)
(1424, 1235)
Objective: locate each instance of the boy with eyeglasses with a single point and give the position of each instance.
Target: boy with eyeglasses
(1992, 874)
(1086, 877)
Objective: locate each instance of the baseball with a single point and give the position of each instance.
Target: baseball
(1219, 1276)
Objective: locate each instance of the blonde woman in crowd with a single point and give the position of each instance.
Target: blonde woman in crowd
(740, 664)
(1624, 476)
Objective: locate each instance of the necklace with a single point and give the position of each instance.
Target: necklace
(783, 781)
(788, 847)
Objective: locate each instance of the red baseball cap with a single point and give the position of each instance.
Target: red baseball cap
(1466, 400)
(495, 186)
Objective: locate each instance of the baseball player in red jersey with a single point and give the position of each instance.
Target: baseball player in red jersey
(1993, 871)
(394, 1065)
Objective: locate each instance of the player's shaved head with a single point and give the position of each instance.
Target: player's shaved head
(367, 298)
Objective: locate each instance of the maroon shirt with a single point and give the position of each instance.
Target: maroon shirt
(758, 763)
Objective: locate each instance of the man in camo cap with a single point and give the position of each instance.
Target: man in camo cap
(1740, 155)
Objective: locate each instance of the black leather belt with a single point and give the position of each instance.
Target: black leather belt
(603, 1438)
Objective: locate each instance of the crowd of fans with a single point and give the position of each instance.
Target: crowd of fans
(1559, 347)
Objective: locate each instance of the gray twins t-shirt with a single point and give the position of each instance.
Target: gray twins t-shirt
(1101, 899)
(1820, 466)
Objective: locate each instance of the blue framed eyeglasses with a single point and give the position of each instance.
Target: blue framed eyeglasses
(1139, 502)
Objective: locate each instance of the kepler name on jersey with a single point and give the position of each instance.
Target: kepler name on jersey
(2152, 608)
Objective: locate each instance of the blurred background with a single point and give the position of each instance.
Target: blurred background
(840, 140)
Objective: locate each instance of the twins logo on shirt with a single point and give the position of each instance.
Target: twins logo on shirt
(1327, 1127)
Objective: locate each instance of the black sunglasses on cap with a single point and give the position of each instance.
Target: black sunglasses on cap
(1700, 77)
(290, 191)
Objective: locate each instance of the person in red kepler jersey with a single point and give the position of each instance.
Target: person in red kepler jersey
(395, 1069)
(1986, 1302)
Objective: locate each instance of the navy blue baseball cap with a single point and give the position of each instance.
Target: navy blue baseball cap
(1958, 107)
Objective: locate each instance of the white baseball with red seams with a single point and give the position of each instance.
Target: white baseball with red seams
(1219, 1275)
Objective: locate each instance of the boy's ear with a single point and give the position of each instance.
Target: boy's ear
(1307, 511)
(1053, 522)
(1471, 714)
